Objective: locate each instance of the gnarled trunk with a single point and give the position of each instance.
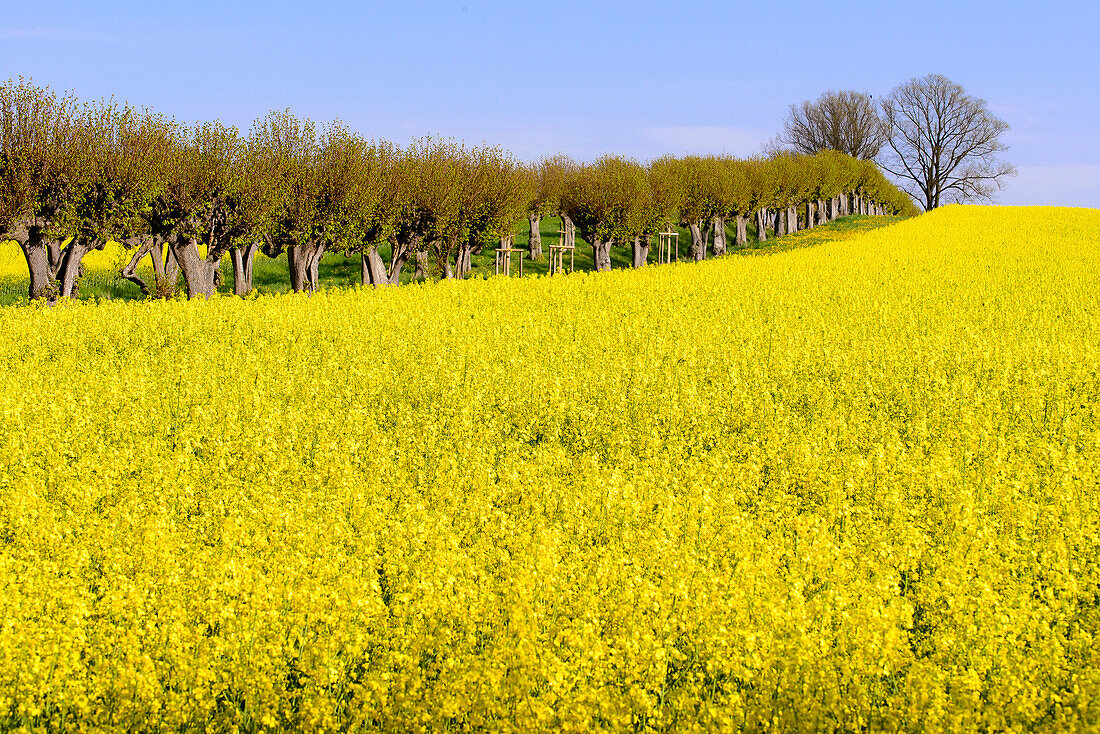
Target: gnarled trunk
(719, 243)
(303, 262)
(780, 222)
(71, 268)
(761, 225)
(792, 219)
(810, 217)
(297, 261)
(569, 231)
(198, 272)
(53, 269)
(742, 237)
(534, 241)
(822, 217)
(640, 251)
(42, 275)
(601, 254)
(421, 271)
(373, 269)
(315, 268)
(698, 241)
(464, 261)
(147, 246)
(243, 258)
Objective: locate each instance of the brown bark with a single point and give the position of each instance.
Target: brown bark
(810, 214)
(761, 225)
(54, 252)
(822, 215)
(29, 236)
(315, 268)
(698, 241)
(640, 251)
(42, 276)
(129, 270)
(742, 231)
(534, 242)
(718, 247)
(299, 260)
(601, 255)
(373, 269)
(198, 272)
(792, 219)
(54, 269)
(70, 267)
(569, 236)
(421, 271)
(463, 261)
(780, 222)
(243, 258)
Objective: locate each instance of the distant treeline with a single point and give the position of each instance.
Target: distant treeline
(76, 175)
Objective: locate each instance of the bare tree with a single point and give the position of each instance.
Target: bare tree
(844, 121)
(942, 144)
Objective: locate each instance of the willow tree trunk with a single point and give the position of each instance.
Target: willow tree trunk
(698, 241)
(462, 263)
(372, 269)
(401, 249)
(601, 255)
(421, 271)
(467, 261)
(297, 263)
(719, 243)
(780, 222)
(70, 268)
(742, 231)
(53, 269)
(761, 225)
(148, 246)
(315, 268)
(810, 215)
(40, 255)
(534, 241)
(822, 216)
(42, 275)
(569, 231)
(198, 272)
(302, 262)
(792, 219)
(640, 251)
(243, 257)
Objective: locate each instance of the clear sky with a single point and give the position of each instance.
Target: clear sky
(584, 78)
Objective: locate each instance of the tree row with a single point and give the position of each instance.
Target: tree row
(75, 175)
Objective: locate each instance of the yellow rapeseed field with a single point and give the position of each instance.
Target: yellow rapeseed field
(847, 487)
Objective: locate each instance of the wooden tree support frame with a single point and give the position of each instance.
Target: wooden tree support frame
(502, 265)
(668, 244)
(557, 255)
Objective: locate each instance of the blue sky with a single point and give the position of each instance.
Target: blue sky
(583, 78)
